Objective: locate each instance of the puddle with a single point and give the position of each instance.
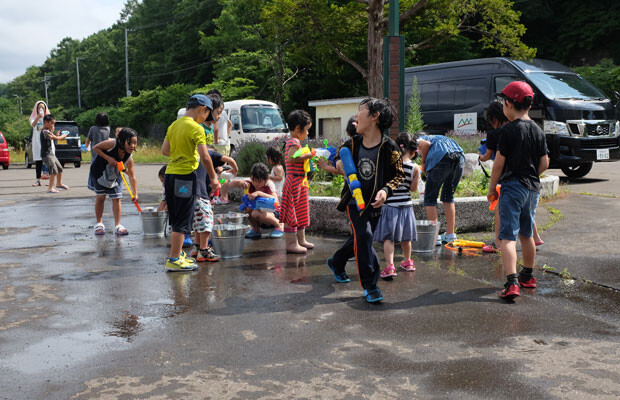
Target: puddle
(126, 327)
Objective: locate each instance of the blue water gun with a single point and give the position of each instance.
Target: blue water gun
(267, 204)
(350, 174)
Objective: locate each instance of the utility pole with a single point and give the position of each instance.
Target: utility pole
(128, 92)
(77, 68)
(19, 101)
(46, 82)
(394, 68)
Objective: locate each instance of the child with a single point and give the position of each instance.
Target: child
(397, 222)
(185, 145)
(162, 203)
(274, 158)
(380, 172)
(259, 185)
(442, 162)
(105, 180)
(521, 158)
(295, 211)
(219, 161)
(48, 155)
(36, 121)
(350, 131)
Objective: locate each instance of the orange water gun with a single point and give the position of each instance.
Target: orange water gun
(495, 200)
(121, 168)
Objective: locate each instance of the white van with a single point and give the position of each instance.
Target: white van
(255, 120)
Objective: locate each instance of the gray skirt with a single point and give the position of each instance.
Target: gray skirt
(396, 224)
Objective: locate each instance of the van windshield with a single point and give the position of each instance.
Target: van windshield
(262, 118)
(561, 86)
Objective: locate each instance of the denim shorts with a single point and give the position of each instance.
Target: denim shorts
(517, 209)
(446, 173)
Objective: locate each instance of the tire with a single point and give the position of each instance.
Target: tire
(28, 163)
(77, 164)
(62, 164)
(577, 171)
(5, 166)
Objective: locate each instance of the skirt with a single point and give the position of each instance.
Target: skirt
(396, 224)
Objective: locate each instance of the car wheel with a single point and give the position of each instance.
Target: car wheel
(577, 171)
(5, 166)
(62, 164)
(77, 164)
(28, 164)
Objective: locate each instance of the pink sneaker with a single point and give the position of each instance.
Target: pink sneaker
(388, 272)
(407, 265)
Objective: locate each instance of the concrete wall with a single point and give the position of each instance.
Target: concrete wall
(328, 111)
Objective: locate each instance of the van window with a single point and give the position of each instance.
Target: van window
(234, 118)
(70, 130)
(562, 86)
(453, 95)
(502, 81)
(1, 139)
(261, 118)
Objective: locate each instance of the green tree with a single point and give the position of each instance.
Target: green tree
(414, 122)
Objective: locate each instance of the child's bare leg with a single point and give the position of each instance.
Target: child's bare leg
(99, 205)
(388, 251)
(206, 236)
(301, 239)
(224, 191)
(254, 221)
(431, 213)
(59, 179)
(116, 209)
(268, 218)
(292, 244)
(52, 182)
(537, 238)
(406, 246)
(450, 212)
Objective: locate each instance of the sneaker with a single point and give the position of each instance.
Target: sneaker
(194, 251)
(389, 272)
(438, 241)
(187, 242)
(252, 234)
(407, 265)
(187, 258)
(340, 278)
(511, 290)
(527, 281)
(276, 233)
(448, 238)
(180, 264)
(489, 248)
(207, 255)
(374, 295)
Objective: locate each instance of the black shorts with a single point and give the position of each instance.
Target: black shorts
(180, 195)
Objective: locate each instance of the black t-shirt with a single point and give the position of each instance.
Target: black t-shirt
(523, 143)
(99, 164)
(46, 143)
(203, 182)
(493, 139)
(367, 170)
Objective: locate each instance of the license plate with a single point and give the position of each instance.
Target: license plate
(602, 154)
(64, 141)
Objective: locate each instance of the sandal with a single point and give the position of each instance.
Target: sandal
(52, 191)
(388, 272)
(120, 230)
(37, 183)
(490, 248)
(539, 243)
(407, 265)
(99, 229)
(63, 186)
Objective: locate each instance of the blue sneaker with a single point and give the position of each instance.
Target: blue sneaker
(448, 238)
(276, 233)
(340, 278)
(252, 234)
(373, 296)
(187, 242)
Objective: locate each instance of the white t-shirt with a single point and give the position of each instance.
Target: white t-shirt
(278, 185)
(222, 130)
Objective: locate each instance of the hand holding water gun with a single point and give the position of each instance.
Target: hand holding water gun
(121, 168)
(494, 199)
(308, 167)
(217, 192)
(350, 174)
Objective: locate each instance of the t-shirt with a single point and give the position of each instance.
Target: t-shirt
(523, 143)
(46, 143)
(184, 135)
(401, 196)
(269, 188)
(367, 169)
(216, 159)
(97, 134)
(222, 130)
(440, 146)
(208, 130)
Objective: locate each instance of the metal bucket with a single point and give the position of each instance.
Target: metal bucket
(228, 239)
(427, 236)
(230, 218)
(153, 221)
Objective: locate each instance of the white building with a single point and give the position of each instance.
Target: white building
(332, 116)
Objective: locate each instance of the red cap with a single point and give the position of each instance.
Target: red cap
(517, 91)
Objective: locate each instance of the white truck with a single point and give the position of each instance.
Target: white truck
(257, 120)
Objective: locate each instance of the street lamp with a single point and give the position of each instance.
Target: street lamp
(127, 91)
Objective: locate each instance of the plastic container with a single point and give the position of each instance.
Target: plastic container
(228, 239)
(427, 236)
(153, 221)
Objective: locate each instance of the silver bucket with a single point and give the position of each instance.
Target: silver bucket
(427, 236)
(228, 239)
(153, 221)
(230, 218)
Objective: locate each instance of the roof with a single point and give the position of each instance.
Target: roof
(333, 102)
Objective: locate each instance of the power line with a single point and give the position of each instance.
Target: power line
(171, 72)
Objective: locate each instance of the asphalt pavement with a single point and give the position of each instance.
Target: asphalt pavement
(85, 317)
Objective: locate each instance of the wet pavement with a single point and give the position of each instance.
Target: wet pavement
(97, 317)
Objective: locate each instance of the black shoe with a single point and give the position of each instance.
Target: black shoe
(373, 296)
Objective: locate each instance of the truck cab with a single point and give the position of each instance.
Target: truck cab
(255, 120)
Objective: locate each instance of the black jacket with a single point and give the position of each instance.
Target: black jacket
(389, 169)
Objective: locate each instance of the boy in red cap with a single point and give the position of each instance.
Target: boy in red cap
(521, 158)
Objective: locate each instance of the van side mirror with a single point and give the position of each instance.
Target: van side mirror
(617, 94)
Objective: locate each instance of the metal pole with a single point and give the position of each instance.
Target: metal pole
(77, 68)
(394, 18)
(126, 65)
(45, 78)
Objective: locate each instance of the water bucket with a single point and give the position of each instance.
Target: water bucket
(153, 221)
(230, 218)
(427, 236)
(228, 239)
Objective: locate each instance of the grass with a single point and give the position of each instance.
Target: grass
(556, 216)
(144, 154)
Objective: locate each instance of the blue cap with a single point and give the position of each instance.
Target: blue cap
(201, 100)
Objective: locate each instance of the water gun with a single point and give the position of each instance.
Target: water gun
(266, 204)
(494, 201)
(328, 152)
(121, 168)
(350, 174)
(217, 194)
(468, 247)
(308, 167)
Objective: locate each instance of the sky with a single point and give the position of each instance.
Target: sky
(30, 29)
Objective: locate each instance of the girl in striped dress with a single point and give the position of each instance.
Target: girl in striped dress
(397, 222)
(295, 208)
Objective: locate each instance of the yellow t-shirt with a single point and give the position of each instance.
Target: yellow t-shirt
(184, 135)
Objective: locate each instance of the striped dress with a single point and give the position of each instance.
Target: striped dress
(295, 208)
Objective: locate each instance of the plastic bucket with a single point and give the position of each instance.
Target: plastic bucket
(228, 239)
(153, 222)
(427, 236)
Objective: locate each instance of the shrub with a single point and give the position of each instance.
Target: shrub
(604, 75)
(473, 186)
(469, 142)
(414, 115)
(250, 153)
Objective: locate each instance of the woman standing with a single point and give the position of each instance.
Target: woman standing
(100, 132)
(36, 122)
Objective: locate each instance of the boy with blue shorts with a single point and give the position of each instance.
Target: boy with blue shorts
(520, 159)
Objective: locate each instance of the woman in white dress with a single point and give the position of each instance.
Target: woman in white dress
(36, 121)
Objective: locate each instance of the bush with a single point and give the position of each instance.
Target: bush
(250, 153)
(473, 186)
(469, 142)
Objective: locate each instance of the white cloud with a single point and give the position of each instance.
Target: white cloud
(29, 30)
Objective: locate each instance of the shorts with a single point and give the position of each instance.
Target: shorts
(112, 193)
(203, 215)
(517, 209)
(180, 196)
(223, 149)
(53, 165)
(446, 173)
